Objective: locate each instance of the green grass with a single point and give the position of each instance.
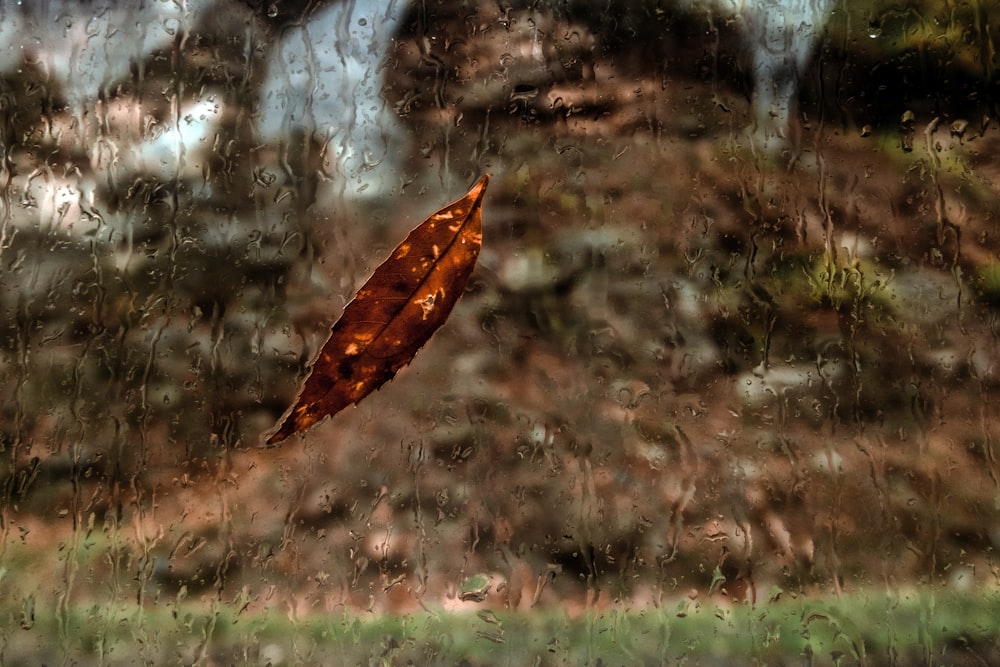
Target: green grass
(869, 628)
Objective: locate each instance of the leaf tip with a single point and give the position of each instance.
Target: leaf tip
(480, 186)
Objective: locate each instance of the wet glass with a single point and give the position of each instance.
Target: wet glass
(720, 387)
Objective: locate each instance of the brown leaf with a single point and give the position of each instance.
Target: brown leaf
(391, 317)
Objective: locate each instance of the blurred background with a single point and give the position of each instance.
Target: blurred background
(732, 339)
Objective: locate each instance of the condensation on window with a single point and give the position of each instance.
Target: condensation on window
(721, 386)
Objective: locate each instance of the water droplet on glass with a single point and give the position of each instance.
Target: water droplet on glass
(475, 588)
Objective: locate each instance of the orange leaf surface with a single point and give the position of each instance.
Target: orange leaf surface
(391, 317)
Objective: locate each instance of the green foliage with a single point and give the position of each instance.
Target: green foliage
(870, 628)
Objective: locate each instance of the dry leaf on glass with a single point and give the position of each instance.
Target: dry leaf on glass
(404, 302)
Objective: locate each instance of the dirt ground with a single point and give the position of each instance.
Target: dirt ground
(684, 366)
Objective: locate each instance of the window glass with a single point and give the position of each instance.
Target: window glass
(721, 386)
